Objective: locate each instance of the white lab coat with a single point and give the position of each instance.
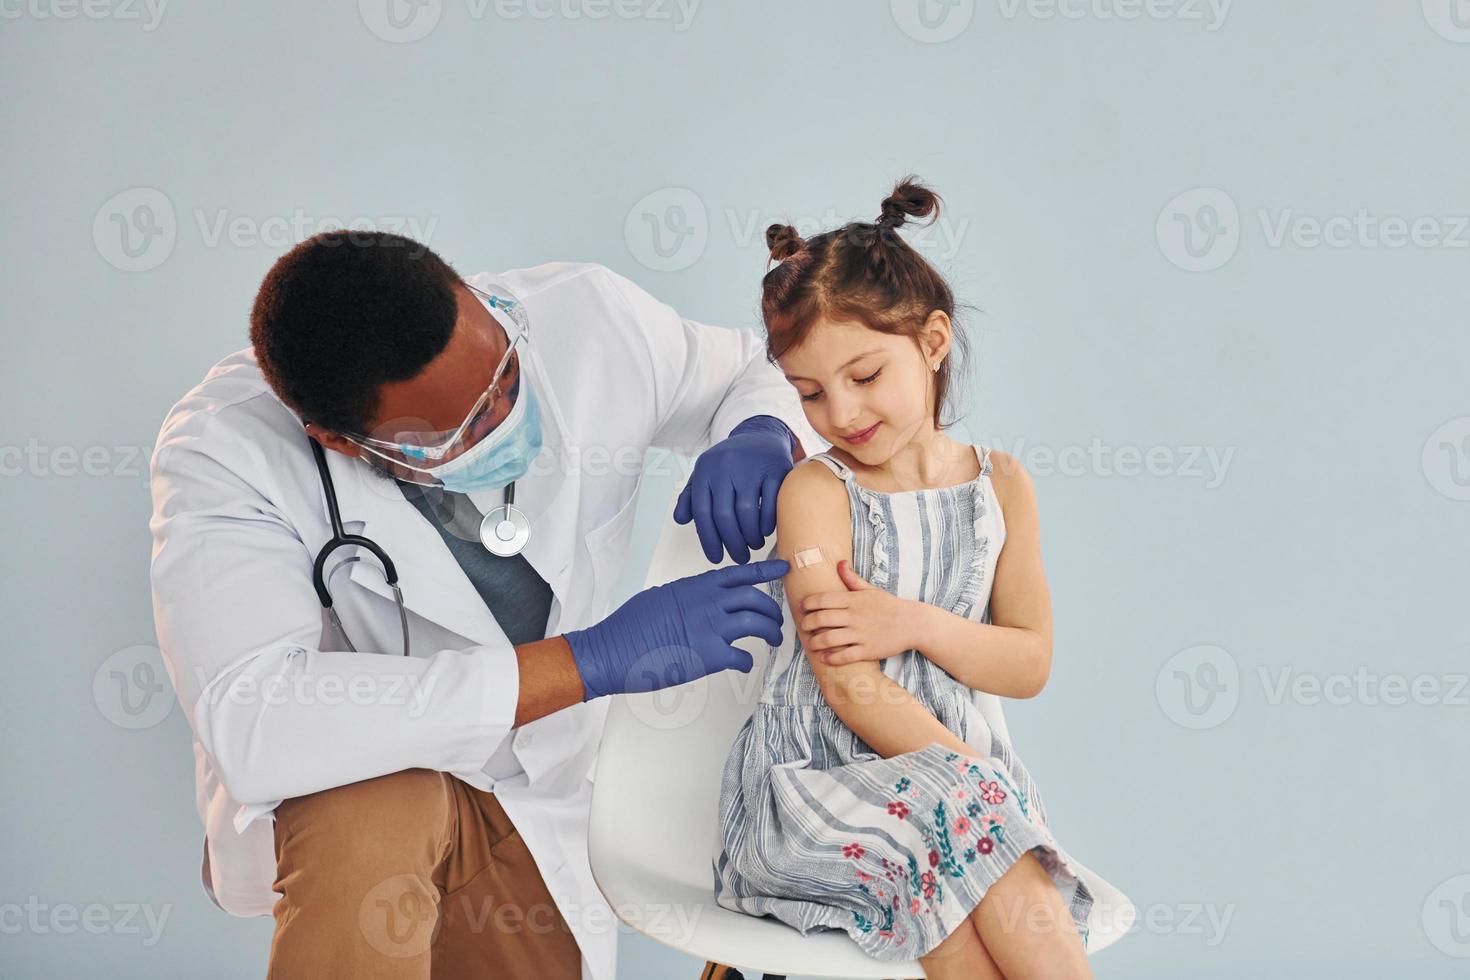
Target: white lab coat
(239, 515)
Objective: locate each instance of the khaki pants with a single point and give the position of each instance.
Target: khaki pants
(411, 876)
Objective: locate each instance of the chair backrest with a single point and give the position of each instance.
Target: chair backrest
(662, 753)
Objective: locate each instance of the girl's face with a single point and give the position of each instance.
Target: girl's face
(867, 392)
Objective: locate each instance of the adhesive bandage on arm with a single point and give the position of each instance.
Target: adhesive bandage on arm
(807, 556)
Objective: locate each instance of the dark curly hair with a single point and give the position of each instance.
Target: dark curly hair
(345, 312)
(862, 272)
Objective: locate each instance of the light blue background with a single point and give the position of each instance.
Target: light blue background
(1334, 543)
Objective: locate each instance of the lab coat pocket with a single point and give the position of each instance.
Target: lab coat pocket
(607, 544)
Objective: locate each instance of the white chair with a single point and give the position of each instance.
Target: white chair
(655, 815)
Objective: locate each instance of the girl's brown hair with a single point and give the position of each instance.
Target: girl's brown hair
(862, 272)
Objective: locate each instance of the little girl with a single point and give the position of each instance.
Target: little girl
(868, 791)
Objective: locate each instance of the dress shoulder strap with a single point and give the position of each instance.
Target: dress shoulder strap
(834, 464)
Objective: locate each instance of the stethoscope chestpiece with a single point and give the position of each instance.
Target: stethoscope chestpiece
(504, 530)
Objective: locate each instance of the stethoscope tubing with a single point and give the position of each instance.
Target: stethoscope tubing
(340, 539)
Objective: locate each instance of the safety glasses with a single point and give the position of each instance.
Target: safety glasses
(412, 450)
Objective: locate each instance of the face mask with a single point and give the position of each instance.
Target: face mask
(502, 456)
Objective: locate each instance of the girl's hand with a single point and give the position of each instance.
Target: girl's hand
(863, 623)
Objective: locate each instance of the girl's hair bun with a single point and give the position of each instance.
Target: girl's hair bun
(784, 242)
(910, 199)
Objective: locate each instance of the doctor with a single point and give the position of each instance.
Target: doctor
(384, 542)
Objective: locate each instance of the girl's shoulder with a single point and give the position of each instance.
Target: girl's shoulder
(1011, 482)
(819, 478)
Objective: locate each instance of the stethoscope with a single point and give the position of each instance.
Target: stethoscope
(504, 531)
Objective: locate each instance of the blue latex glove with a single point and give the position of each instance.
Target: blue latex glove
(678, 632)
(731, 495)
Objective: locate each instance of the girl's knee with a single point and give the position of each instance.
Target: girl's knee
(956, 943)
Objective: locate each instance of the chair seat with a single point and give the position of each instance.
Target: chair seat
(685, 917)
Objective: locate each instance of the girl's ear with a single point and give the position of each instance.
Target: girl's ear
(935, 337)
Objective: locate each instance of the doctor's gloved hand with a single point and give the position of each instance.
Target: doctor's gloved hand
(678, 632)
(731, 495)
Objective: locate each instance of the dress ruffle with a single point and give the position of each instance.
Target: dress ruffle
(976, 586)
(876, 511)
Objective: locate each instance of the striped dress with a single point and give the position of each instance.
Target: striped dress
(820, 831)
